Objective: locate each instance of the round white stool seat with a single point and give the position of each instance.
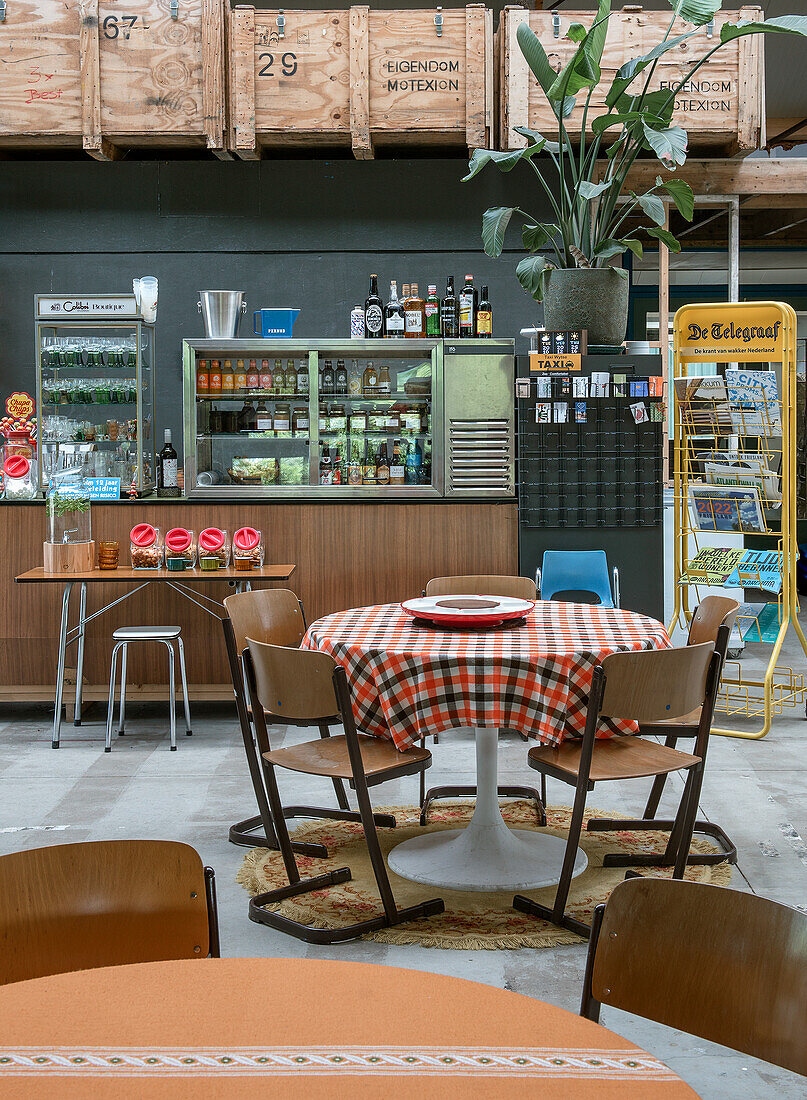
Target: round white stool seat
(146, 633)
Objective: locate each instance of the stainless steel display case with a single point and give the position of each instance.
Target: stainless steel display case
(465, 448)
(95, 388)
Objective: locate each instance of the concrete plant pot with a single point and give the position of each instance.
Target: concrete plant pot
(591, 298)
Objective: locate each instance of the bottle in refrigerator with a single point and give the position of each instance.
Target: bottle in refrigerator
(240, 378)
(282, 418)
(290, 385)
(278, 378)
(449, 314)
(354, 379)
(215, 378)
(370, 379)
(325, 467)
(266, 381)
(373, 312)
(415, 315)
(202, 379)
(302, 378)
(412, 464)
(167, 469)
(396, 470)
(383, 384)
(468, 305)
(355, 470)
(432, 312)
(299, 421)
(247, 417)
(382, 474)
(253, 376)
(394, 314)
(340, 378)
(214, 421)
(263, 418)
(484, 315)
(336, 467)
(369, 469)
(227, 379)
(326, 378)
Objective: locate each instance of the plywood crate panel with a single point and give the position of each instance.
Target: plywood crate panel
(722, 108)
(359, 78)
(100, 74)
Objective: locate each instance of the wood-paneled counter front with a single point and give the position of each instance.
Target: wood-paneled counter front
(346, 555)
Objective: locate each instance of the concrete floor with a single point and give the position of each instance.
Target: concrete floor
(757, 790)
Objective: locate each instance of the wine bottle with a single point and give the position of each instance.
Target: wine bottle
(373, 312)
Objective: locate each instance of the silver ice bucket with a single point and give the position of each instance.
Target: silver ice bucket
(221, 311)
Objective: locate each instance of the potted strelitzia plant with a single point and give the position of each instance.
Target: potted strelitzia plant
(570, 262)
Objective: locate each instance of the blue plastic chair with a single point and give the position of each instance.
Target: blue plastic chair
(577, 571)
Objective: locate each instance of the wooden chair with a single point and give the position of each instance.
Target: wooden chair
(308, 688)
(645, 686)
(712, 621)
(276, 616)
(104, 903)
(520, 588)
(717, 963)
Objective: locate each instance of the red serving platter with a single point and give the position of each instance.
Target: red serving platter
(467, 610)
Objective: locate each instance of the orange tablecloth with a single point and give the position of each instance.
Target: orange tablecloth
(303, 1028)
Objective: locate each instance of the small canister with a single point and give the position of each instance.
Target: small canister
(145, 548)
(248, 550)
(18, 482)
(357, 323)
(214, 547)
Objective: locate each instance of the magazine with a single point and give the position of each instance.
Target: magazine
(718, 508)
(704, 404)
(758, 462)
(754, 400)
(766, 483)
(758, 622)
(712, 565)
(757, 569)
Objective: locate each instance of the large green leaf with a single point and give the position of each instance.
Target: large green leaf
(538, 235)
(589, 190)
(681, 194)
(494, 226)
(669, 145)
(604, 122)
(633, 67)
(782, 24)
(583, 71)
(610, 247)
(535, 56)
(666, 236)
(698, 12)
(504, 161)
(534, 138)
(652, 206)
(660, 104)
(531, 273)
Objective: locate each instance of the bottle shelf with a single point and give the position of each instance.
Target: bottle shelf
(270, 395)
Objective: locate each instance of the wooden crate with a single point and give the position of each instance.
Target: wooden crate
(723, 110)
(359, 78)
(102, 75)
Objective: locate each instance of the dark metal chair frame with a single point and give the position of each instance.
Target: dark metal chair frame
(391, 915)
(244, 833)
(677, 848)
(648, 822)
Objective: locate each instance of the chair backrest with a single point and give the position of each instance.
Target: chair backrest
(654, 684)
(103, 903)
(576, 571)
(520, 588)
(710, 614)
(726, 966)
(293, 683)
(269, 614)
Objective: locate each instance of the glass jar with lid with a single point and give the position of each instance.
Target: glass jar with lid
(299, 420)
(145, 547)
(18, 481)
(248, 549)
(180, 549)
(68, 506)
(214, 548)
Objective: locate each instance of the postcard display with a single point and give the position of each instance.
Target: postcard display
(735, 467)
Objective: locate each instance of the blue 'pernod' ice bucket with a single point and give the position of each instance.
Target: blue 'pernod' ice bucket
(274, 323)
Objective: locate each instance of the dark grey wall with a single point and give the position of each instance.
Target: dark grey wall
(297, 233)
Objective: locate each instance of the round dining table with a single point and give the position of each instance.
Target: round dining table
(410, 680)
(304, 1028)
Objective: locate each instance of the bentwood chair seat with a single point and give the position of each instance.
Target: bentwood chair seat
(643, 686)
(308, 687)
(519, 588)
(615, 758)
(104, 903)
(331, 757)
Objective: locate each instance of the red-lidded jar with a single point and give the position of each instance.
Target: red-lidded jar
(248, 549)
(145, 547)
(18, 482)
(180, 546)
(214, 543)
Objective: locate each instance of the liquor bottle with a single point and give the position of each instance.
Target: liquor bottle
(278, 378)
(412, 464)
(468, 303)
(167, 469)
(394, 314)
(382, 475)
(336, 467)
(449, 315)
(263, 418)
(369, 470)
(340, 379)
(370, 379)
(396, 470)
(354, 379)
(302, 378)
(383, 383)
(326, 381)
(432, 313)
(373, 312)
(355, 472)
(325, 469)
(484, 316)
(415, 315)
(291, 377)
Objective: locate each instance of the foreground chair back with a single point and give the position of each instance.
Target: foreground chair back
(577, 571)
(519, 588)
(270, 614)
(307, 688)
(643, 686)
(105, 903)
(726, 966)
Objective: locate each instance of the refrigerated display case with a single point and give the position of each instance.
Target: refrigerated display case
(95, 389)
(348, 418)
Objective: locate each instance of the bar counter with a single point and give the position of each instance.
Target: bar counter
(346, 555)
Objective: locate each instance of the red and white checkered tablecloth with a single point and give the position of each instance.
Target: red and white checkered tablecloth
(409, 680)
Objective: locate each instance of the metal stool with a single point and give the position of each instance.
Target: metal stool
(166, 635)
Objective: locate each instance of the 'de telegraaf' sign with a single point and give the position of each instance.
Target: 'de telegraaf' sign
(731, 332)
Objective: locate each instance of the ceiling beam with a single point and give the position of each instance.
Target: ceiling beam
(784, 177)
